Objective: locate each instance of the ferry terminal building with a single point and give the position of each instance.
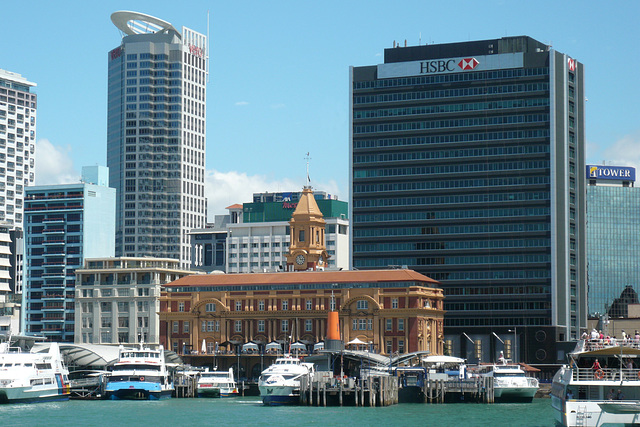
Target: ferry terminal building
(391, 310)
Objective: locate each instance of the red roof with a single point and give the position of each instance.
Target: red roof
(305, 277)
(236, 206)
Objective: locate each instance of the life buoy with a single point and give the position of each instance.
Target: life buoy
(141, 378)
(599, 374)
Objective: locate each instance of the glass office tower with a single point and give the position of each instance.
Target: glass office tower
(466, 163)
(156, 136)
(613, 240)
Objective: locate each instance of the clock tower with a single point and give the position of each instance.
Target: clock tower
(307, 249)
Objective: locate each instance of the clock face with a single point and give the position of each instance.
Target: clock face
(300, 259)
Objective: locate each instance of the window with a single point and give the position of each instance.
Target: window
(389, 325)
(238, 326)
(210, 325)
(362, 324)
(285, 325)
(308, 325)
(260, 325)
(106, 322)
(203, 327)
(181, 306)
(123, 322)
(389, 347)
(285, 304)
(301, 236)
(394, 302)
(210, 307)
(354, 324)
(309, 304)
(400, 324)
(143, 292)
(362, 304)
(217, 326)
(369, 324)
(175, 327)
(238, 305)
(105, 307)
(401, 346)
(185, 327)
(261, 305)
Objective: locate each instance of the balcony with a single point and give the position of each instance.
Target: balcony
(53, 231)
(51, 242)
(49, 297)
(53, 286)
(53, 220)
(53, 307)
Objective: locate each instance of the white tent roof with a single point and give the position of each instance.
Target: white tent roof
(356, 341)
(250, 345)
(272, 345)
(318, 345)
(298, 345)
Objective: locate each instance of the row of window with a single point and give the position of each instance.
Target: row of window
(519, 135)
(453, 245)
(458, 229)
(435, 215)
(451, 93)
(450, 108)
(452, 169)
(451, 199)
(451, 123)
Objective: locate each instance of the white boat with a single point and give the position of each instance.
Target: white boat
(32, 377)
(279, 384)
(510, 384)
(217, 384)
(139, 374)
(605, 394)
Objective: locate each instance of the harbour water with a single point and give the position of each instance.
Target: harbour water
(249, 411)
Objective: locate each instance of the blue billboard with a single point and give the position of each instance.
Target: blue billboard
(618, 173)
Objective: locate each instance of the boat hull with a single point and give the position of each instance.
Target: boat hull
(217, 392)
(136, 391)
(515, 394)
(32, 394)
(279, 395)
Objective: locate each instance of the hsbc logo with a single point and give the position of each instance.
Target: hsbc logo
(468, 63)
(447, 65)
(571, 63)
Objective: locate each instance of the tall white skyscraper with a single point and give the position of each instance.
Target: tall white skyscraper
(156, 136)
(17, 144)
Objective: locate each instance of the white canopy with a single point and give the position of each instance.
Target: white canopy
(356, 341)
(204, 347)
(319, 345)
(298, 346)
(250, 346)
(273, 345)
(442, 359)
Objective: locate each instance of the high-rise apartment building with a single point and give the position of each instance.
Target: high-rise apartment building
(17, 144)
(613, 240)
(467, 165)
(156, 136)
(64, 223)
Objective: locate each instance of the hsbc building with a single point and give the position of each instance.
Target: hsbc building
(467, 164)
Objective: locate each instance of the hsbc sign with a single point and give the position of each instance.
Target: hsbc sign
(450, 65)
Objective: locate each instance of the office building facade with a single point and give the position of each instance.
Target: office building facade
(117, 299)
(466, 166)
(18, 106)
(64, 223)
(156, 136)
(613, 240)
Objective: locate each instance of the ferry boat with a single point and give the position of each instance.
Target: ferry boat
(510, 384)
(139, 374)
(279, 384)
(217, 384)
(587, 393)
(32, 377)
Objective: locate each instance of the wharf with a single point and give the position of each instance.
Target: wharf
(326, 390)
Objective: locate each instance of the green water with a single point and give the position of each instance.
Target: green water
(242, 411)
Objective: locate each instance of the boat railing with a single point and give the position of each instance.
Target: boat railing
(606, 374)
(592, 345)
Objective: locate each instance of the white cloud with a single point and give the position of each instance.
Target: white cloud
(624, 152)
(277, 106)
(241, 103)
(227, 188)
(54, 164)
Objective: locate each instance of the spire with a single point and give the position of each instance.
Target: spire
(307, 158)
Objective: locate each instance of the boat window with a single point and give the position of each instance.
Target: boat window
(129, 367)
(28, 365)
(8, 365)
(43, 366)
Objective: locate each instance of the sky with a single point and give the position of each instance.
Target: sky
(279, 76)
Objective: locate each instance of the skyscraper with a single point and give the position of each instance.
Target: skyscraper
(17, 144)
(64, 223)
(613, 240)
(156, 136)
(466, 166)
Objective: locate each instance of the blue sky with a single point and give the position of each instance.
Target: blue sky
(279, 76)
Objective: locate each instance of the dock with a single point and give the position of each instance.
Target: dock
(324, 389)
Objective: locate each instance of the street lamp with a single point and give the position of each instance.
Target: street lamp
(515, 343)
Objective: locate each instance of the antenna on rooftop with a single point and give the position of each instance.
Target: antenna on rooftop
(307, 158)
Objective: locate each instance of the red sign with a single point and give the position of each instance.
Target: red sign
(115, 53)
(289, 205)
(571, 63)
(468, 63)
(197, 51)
